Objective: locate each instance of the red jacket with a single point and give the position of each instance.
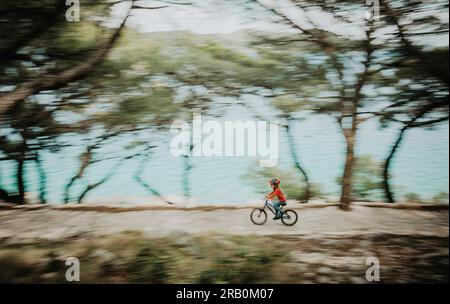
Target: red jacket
(278, 193)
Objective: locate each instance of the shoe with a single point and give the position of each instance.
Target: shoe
(277, 218)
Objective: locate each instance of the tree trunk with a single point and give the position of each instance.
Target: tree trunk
(139, 179)
(88, 189)
(390, 198)
(42, 180)
(297, 162)
(21, 180)
(59, 80)
(101, 182)
(346, 194)
(350, 133)
(186, 174)
(20, 175)
(67, 189)
(48, 21)
(86, 159)
(389, 195)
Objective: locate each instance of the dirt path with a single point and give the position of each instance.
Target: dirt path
(326, 246)
(18, 226)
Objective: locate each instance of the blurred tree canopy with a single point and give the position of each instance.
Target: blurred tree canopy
(104, 81)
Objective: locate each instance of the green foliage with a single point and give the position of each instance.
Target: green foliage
(291, 182)
(154, 108)
(132, 258)
(367, 179)
(440, 198)
(288, 104)
(151, 264)
(32, 125)
(239, 268)
(413, 198)
(137, 84)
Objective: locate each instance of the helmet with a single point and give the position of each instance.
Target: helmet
(275, 181)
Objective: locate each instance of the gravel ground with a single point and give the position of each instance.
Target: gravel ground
(327, 245)
(22, 225)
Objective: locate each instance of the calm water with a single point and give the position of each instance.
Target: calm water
(421, 166)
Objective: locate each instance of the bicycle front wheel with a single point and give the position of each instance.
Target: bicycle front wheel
(289, 218)
(258, 216)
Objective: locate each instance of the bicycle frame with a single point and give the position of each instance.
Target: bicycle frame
(286, 214)
(270, 207)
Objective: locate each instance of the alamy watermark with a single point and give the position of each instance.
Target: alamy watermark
(73, 12)
(373, 13)
(229, 139)
(373, 272)
(73, 272)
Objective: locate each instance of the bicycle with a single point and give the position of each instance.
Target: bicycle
(259, 215)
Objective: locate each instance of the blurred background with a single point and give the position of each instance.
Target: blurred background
(86, 106)
(360, 93)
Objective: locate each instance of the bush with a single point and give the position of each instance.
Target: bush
(151, 264)
(126, 258)
(413, 198)
(240, 268)
(291, 182)
(440, 198)
(367, 179)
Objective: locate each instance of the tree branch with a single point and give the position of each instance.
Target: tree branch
(52, 82)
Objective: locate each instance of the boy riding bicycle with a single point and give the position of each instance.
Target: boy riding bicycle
(276, 193)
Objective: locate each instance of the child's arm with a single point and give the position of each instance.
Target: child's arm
(270, 195)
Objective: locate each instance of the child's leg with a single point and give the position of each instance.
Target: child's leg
(277, 206)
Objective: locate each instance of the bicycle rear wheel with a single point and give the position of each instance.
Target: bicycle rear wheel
(258, 216)
(289, 217)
